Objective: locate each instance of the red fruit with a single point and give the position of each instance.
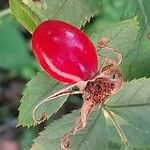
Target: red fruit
(64, 52)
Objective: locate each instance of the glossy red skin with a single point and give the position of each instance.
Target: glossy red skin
(63, 50)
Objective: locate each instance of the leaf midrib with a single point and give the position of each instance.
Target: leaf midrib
(132, 105)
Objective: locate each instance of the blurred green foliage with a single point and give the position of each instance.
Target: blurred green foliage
(16, 61)
(14, 48)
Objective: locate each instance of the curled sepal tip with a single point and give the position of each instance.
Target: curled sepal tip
(41, 119)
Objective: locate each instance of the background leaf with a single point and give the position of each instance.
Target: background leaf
(139, 59)
(94, 136)
(24, 14)
(115, 11)
(137, 138)
(122, 36)
(12, 46)
(76, 12)
(38, 88)
(132, 104)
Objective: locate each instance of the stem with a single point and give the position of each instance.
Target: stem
(117, 126)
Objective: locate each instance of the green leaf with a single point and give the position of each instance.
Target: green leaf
(138, 61)
(94, 136)
(24, 14)
(115, 11)
(111, 12)
(122, 36)
(132, 104)
(13, 48)
(38, 88)
(137, 138)
(76, 12)
(26, 138)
